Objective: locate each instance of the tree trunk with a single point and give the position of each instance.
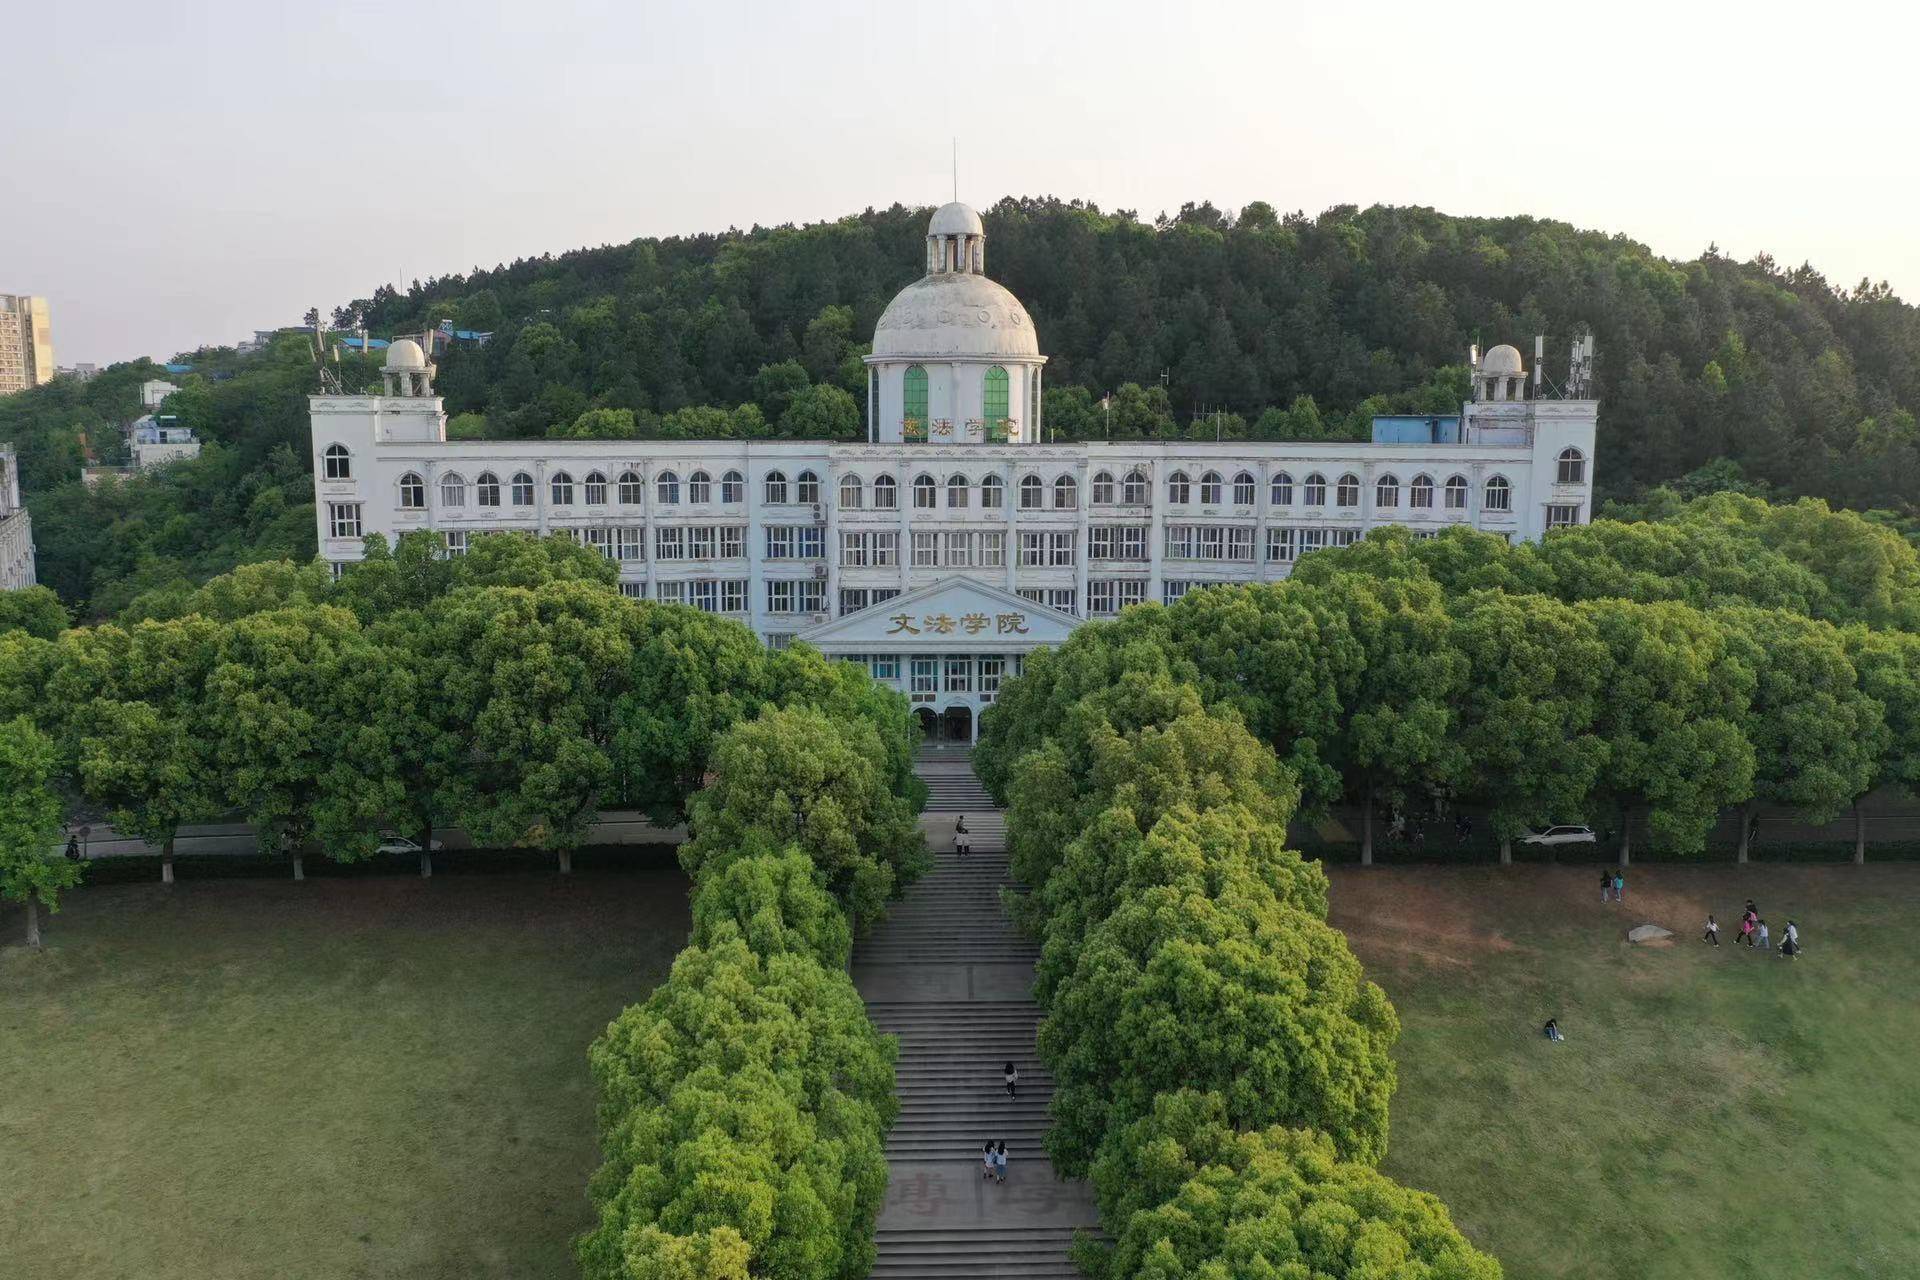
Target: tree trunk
(1366, 828)
(566, 862)
(1859, 836)
(33, 920)
(1506, 851)
(426, 863)
(1746, 829)
(1626, 838)
(166, 861)
(299, 867)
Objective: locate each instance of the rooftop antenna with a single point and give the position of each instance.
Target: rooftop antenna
(956, 168)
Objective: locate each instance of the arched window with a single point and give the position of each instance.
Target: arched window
(1457, 493)
(633, 490)
(1316, 490)
(733, 487)
(1210, 489)
(522, 489)
(1243, 489)
(957, 487)
(666, 489)
(1133, 489)
(806, 487)
(1386, 491)
(1032, 493)
(1347, 494)
(1066, 494)
(596, 487)
(1179, 488)
(923, 492)
(886, 493)
(993, 492)
(453, 490)
(1573, 466)
(1499, 494)
(413, 492)
(562, 487)
(1282, 490)
(486, 490)
(1420, 492)
(853, 494)
(993, 400)
(699, 488)
(913, 398)
(1102, 489)
(338, 462)
(776, 488)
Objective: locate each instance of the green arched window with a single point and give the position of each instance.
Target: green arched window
(994, 403)
(913, 407)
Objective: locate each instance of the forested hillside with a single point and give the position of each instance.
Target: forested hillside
(1272, 327)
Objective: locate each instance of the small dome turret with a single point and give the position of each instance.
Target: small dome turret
(405, 355)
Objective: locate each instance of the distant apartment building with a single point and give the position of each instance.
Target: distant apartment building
(156, 441)
(153, 391)
(26, 343)
(16, 527)
(82, 372)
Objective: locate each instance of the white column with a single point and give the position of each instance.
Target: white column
(1156, 532)
(1082, 502)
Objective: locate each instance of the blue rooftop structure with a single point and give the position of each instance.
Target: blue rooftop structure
(1412, 428)
(178, 368)
(356, 343)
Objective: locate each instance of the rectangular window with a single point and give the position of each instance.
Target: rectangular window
(1100, 598)
(1033, 550)
(813, 596)
(1172, 589)
(701, 541)
(780, 597)
(1060, 549)
(669, 543)
(630, 543)
(1282, 545)
(456, 542)
(733, 541)
(925, 680)
(733, 595)
(853, 550)
(598, 540)
(1132, 591)
(704, 595)
(991, 670)
(778, 640)
(852, 600)
(673, 593)
(1240, 542)
(886, 550)
(883, 594)
(1060, 598)
(1179, 542)
(811, 544)
(1312, 540)
(779, 542)
(1343, 537)
(1561, 516)
(1210, 542)
(959, 675)
(343, 519)
(959, 550)
(634, 590)
(926, 550)
(886, 666)
(993, 549)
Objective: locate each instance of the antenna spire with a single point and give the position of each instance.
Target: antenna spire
(956, 167)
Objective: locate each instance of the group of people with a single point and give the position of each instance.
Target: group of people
(1613, 882)
(993, 1156)
(1754, 933)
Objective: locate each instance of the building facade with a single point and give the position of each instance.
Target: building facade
(26, 343)
(16, 527)
(954, 541)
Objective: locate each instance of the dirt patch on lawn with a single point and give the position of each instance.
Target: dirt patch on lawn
(1429, 915)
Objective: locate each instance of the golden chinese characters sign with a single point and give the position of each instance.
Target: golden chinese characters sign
(944, 624)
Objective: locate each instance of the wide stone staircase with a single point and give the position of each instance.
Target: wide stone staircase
(947, 973)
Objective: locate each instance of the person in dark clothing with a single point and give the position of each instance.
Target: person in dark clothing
(1552, 1030)
(962, 838)
(73, 848)
(1713, 931)
(1012, 1076)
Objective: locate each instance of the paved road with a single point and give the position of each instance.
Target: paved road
(236, 838)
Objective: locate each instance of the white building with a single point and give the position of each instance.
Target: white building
(155, 441)
(954, 541)
(16, 527)
(154, 391)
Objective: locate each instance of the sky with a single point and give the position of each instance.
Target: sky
(182, 174)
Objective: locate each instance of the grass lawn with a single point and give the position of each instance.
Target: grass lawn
(365, 1077)
(1712, 1112)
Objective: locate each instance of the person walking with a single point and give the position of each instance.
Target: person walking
(1011, 1074)
(1619, 886)
(1000, 1163)
(1790, 945)
(1606, 884)
(1764, 944)
(986, 1160)
(1713, 932)
(962, 838)
(1746, 931)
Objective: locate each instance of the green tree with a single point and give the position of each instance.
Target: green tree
(822, 412)
(775, 386)
(598, 424)
(34, 610)
(32, 869)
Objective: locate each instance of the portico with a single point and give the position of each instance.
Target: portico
(947, 646)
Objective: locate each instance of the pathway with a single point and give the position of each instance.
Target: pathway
(949, 975)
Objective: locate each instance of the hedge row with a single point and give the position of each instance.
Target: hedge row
(1222, 1067)
(745, 1104)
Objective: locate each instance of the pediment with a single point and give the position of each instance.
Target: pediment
(953, 615)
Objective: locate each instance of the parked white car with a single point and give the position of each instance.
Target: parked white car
(400, 844)
(1561, 835)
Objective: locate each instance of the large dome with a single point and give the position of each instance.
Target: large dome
(954, 314)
